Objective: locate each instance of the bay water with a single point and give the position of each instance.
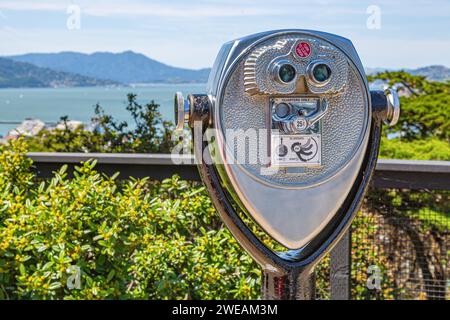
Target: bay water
(49, 104)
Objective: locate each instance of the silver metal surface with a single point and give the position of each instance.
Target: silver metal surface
(258, 68)
(239, 86)
(347, 117)
(393, 112)
(182, 111)
(290, 285)
(298, 124)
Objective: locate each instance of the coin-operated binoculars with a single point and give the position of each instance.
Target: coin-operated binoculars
(295, 136)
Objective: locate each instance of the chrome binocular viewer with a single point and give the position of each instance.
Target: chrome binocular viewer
(296, 133)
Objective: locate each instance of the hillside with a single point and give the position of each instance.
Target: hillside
(129, 67)
(126, 67)
(434, 73)
(15, 74)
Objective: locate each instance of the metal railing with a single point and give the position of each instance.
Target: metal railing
(407, 174)
(389, 174)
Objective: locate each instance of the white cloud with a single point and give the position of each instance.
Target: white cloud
(194, 9)
(124, 8)
(234, 8)
(33, 5)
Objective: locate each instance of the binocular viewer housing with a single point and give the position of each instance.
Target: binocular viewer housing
(303, 95)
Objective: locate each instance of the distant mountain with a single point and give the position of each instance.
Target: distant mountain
(15, 74)
(435, 73)
(129, 67)
(126, 67)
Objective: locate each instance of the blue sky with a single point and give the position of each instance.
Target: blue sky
(190, 33)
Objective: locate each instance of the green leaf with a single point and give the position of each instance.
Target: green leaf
(22, 270)
(111, 274)
(54, 286)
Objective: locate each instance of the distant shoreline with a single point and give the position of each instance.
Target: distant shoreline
(49, 104)
(131, 85)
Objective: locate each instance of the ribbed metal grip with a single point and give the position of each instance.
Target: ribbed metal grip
(181, 109)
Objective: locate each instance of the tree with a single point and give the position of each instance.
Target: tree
(424, 114)
(149, 133)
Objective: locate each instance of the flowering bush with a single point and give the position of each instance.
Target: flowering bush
(93, 237)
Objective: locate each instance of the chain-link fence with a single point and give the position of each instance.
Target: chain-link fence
(399, 249)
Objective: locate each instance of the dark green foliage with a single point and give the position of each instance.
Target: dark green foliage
(423, 130)
(426, 115)
(426, 112)
(150, 134)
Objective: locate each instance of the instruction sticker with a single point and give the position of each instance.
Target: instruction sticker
(296, 150)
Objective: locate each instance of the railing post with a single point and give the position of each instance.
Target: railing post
(291, 285)
(340, 269)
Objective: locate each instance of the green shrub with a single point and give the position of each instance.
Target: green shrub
(131, 240)
(423, 149)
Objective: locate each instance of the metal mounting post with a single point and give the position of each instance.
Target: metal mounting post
(295, 284)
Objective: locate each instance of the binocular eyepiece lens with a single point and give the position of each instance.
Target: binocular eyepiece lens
(321, 72)
(286, 73)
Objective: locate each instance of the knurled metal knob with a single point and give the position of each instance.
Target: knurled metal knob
(182, 111)
(393, 107)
